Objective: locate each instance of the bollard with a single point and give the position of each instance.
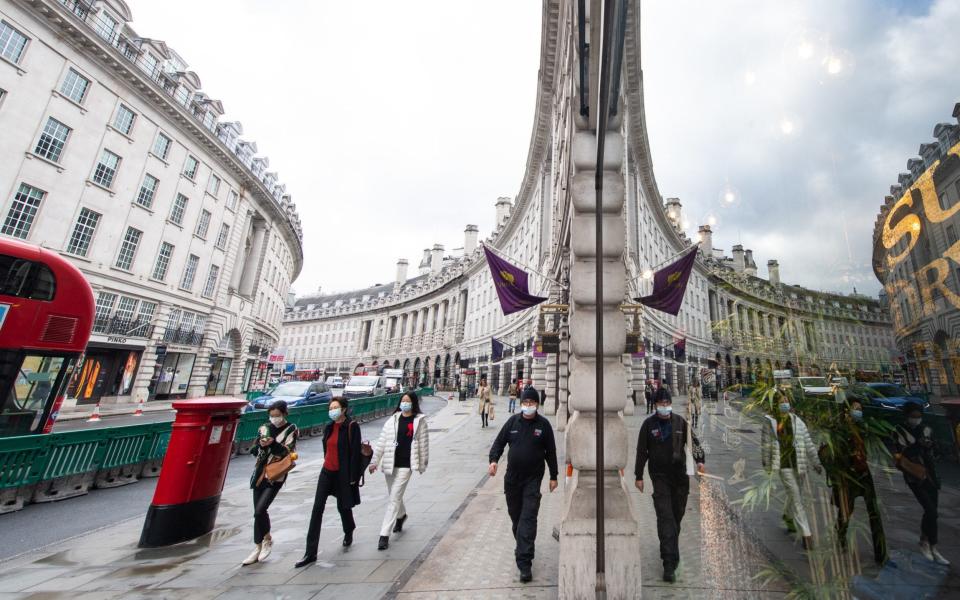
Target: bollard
(185, 503)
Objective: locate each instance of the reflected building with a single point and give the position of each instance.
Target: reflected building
(916, 257)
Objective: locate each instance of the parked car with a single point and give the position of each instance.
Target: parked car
(362, 386)
(814, 385)
(334, 381)
(295, 393)
(883, 395)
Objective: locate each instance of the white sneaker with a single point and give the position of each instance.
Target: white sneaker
(938, 557)
(266, 548)
(255, 556)
(926, 552)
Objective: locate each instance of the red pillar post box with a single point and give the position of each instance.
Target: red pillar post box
(194, 468)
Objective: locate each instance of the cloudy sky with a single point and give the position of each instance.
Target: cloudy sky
(395, 124)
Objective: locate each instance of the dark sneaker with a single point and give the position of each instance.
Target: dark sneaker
(398, 526)
(526, 576)
(347, 539)
(384, 542)
(669, 575)
(306, 560)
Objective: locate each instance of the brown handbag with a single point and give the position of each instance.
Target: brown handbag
(276, 469)
(911, 468)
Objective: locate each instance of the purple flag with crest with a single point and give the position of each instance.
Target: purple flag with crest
(669, 285)
(511, 285)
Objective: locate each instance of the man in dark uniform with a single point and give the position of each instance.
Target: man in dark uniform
(531, 440)
(662, 446)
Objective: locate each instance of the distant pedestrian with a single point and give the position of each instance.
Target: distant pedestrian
(532, 444)
(786, 448)
(275, 440)
(696, 403)
(648, 394)
(339, 477)
(848, 474)
(668, 448)
(404, 445)
(513, 391)
(913, 442)
(484, 402)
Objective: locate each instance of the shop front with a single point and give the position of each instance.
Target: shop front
(106, 374)
(219, 375)
(171, 375)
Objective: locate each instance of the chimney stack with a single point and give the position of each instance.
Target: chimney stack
(504, 206)
(425, 262)
(401, 271)
(436, 259)
(675, 212)
(749, 267)
(470, 236)
(773, 272)
(738, 260)
(706, 240)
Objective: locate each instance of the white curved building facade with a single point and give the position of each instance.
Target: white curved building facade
(114, 157)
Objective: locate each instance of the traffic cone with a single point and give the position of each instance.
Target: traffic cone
(96, 414)
(139, 411)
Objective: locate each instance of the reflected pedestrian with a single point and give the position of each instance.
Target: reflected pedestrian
(648, 395)
(339, 477)
(667, 447)
(532, 444)
(913, 442)
(404, 445)
(696, 403)
(513, 391)
(275, 440)
(484, 402)
(786, 448)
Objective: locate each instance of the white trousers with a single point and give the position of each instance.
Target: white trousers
(794, 507)
(396, 486)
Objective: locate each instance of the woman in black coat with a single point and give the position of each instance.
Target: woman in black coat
(340, 477)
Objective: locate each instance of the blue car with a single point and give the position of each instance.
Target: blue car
(295, 393)
(889, 396)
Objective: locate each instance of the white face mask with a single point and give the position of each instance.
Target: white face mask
(528, 410)
(277, 421)
(914, 421)
(406, 406)
(664, 411)
(784, 407)
(334, 414)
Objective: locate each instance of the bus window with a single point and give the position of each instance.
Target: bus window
(33, 388)
(26, 279)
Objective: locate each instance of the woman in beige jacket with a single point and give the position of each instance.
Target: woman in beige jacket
(484, 402)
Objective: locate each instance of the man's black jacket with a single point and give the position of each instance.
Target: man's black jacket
(531, 443)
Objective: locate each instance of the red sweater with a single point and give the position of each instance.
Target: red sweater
(331, 458)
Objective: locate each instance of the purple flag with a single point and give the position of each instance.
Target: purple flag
(669, 285)
(511, 285)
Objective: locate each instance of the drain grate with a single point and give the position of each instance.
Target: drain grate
(438, 430)
(742, 430)
(461, 413)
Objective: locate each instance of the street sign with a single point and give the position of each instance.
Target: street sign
(782, 374)
(549, 343)
(635, 346)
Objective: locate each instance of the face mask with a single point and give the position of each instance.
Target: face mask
(913, 422)
(785, 407)
(856, 414)
(334, 414)
(664, 411)
(277, 421)
(528, 410)
(406, 406)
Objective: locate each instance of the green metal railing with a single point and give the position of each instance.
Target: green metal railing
(38, 468)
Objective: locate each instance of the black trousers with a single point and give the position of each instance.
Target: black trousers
(844, 495)
(483, 419)
(327, 485)
(670, 491)
(263, 496)
(523, 505)
(927, 495)
(651, 405)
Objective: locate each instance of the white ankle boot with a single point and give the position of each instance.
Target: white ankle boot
(926, 552)
(266, 548)
(938, 557)
(255, 556)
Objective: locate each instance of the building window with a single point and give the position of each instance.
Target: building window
(83, 231)
(123, 122)
(75, 86)
(232, 200)
(163, 261)
(104, 307)
(190, 167)
(52, 140)
(106, 26)
(211, 284)
(128, 248)
(189, 272)
(162, 145)
(213, 185)
(23, 211)
(951, 234)
(106, 169)
(12, 43)
(203, 224)
(179, 208)
(148, 190)
(224, 236)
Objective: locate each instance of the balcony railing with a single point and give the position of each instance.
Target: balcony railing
(123, 327)
(187, 337)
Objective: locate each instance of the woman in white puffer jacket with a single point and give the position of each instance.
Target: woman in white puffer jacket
(404, 445)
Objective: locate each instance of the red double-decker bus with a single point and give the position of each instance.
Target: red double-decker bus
(46, 314)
